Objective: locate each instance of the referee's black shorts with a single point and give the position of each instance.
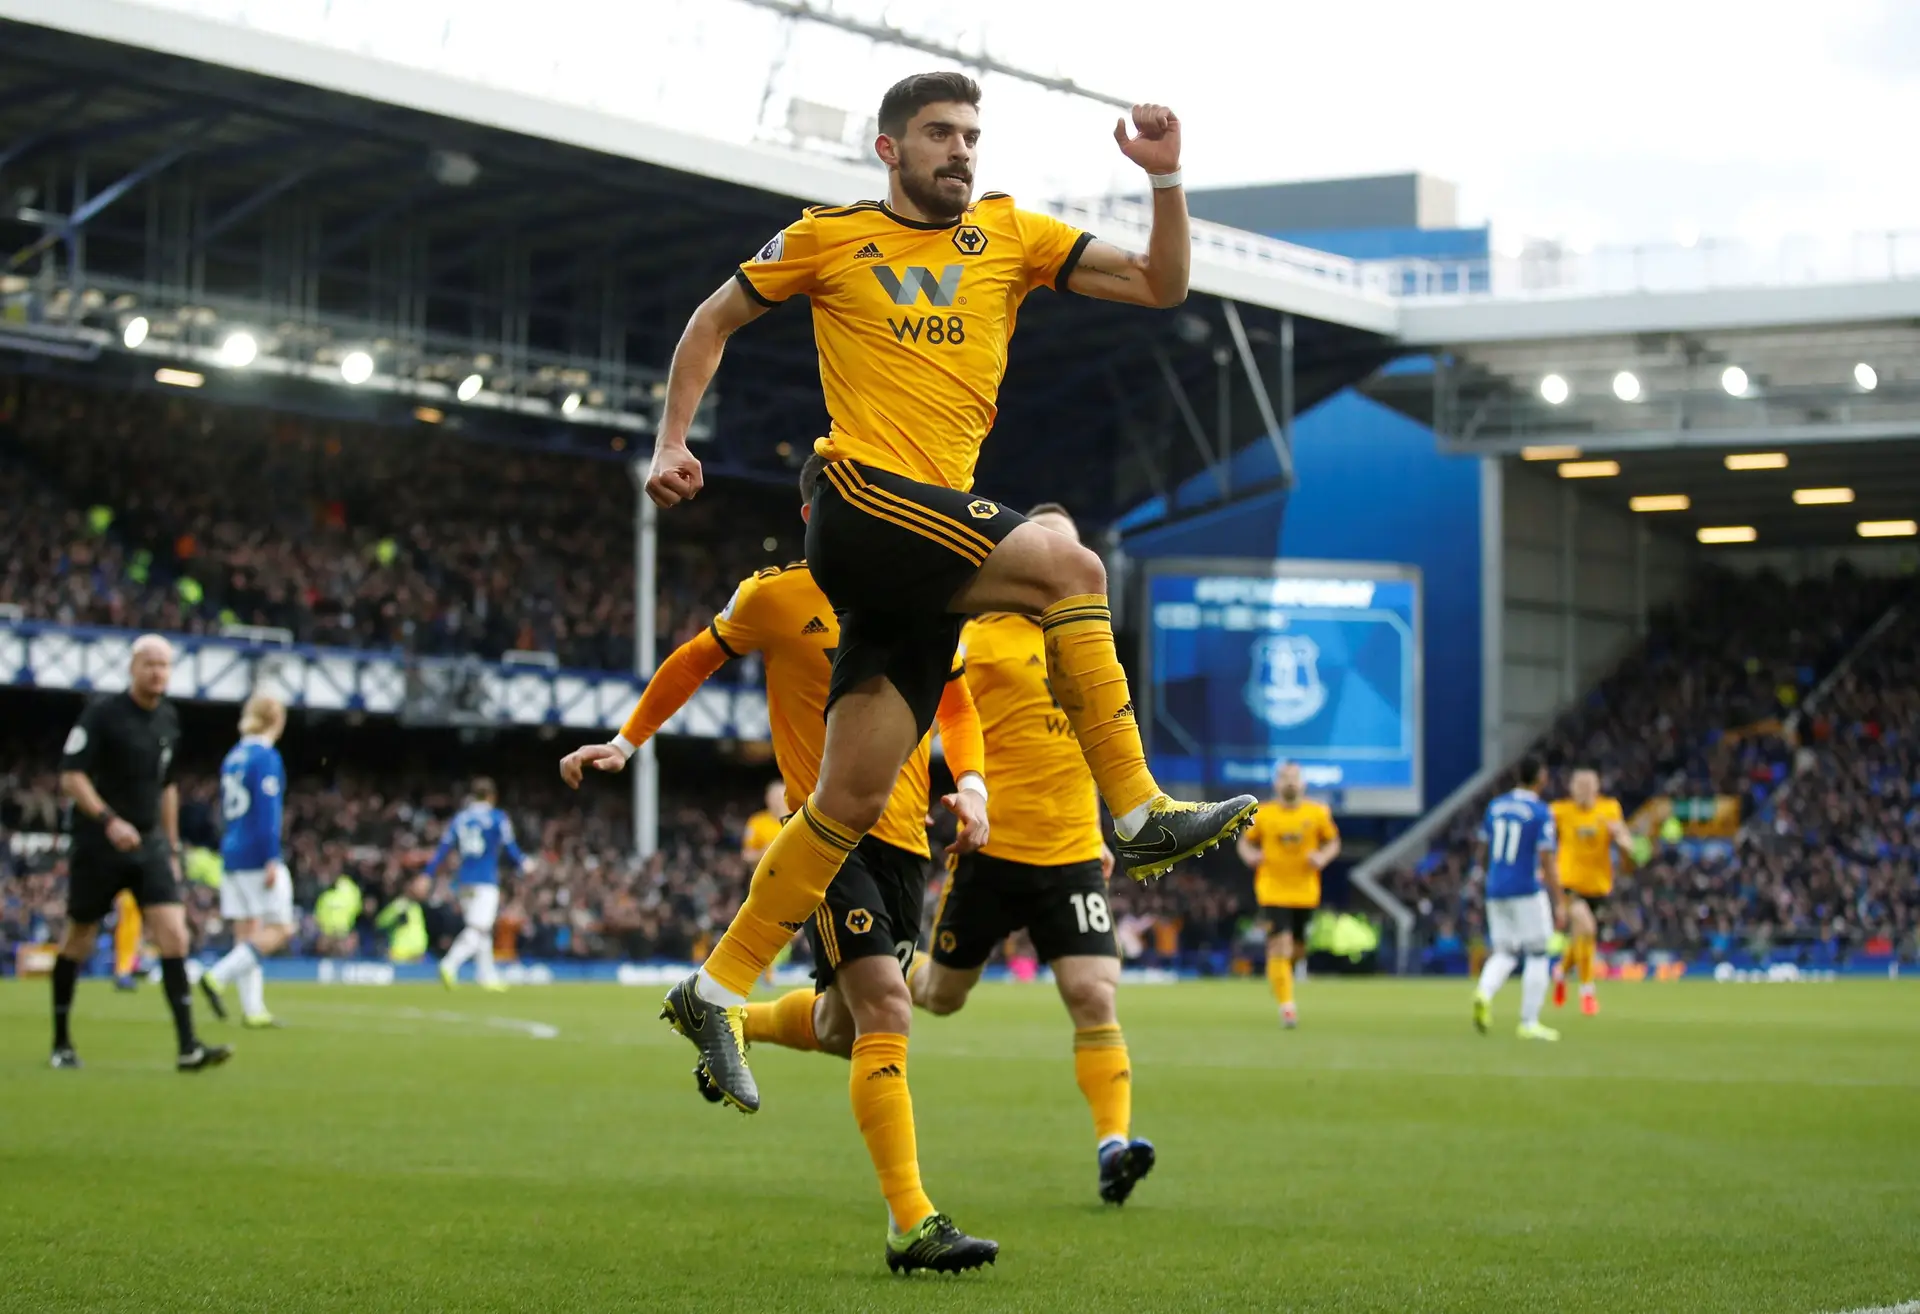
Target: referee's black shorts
(97, 872)
(890, 554)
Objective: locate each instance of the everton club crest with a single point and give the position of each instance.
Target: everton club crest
(1284, 688)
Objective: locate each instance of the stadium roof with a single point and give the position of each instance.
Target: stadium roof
(566, 246)
(610, 227)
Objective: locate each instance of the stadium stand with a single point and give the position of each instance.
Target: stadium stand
(170, 513)
(1707, 709)
(585, 899)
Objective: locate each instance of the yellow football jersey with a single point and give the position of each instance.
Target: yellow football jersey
(912, 322)
(1586, 844)
(759, 832)
(1042, 807)
(781, 614)
(1286, 835)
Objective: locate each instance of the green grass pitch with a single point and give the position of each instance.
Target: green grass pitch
(1696, 1147)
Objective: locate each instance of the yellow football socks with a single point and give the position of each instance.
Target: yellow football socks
(883, 1108)
(1084, 672)
(787, 1021)
(1583, 958)
(788, 884)
(1280, 977)
(1105, 1074)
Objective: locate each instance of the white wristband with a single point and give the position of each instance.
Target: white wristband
(627, 750)
(1162, 181)
(974, 784)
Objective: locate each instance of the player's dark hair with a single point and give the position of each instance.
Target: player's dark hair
(810, 474)
(909, 96)
(483, 789)
(1048, 509)
(1527, 774)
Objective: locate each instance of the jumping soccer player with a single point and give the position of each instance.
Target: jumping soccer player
(1515, 847)
(256, 893)
(484, 834)
(117, 769)
(1590, 826)
(914, 300)
(1043, 868)
(864, 932)
(1290, 843)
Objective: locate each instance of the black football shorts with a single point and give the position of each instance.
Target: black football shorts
(890, 554)
(872, 910)
(1063, 909)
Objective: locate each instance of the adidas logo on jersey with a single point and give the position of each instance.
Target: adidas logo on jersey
(871, 251)
(1035, 661)
(814, 626)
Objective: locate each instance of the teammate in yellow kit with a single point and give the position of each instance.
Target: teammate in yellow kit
(127, 939)
(1590, 826)
(757, 836)
(1290, 843)
(1044, 869)
(864, 931)
(913, 301)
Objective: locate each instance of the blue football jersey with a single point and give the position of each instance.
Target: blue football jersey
(482, 833)
(253, 785)
(1517, 829)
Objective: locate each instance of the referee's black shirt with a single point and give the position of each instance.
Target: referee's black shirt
(128, 753)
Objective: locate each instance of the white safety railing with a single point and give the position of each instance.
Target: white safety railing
(1127, 220)
(1549, 270)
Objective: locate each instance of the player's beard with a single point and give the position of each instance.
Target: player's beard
(1289, 795)
(931, 199)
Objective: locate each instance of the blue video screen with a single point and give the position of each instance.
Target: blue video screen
(1247, 670)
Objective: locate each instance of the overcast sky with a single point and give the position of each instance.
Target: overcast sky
(1630, 120)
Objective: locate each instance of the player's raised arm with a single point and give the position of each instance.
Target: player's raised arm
(674, 476)
(1159, 277)
(684, 671)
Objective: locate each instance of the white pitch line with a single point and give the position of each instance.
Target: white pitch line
(537, 1030)
(1910, 1307)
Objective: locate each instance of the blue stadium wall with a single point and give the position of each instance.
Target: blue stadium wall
(1370, 485)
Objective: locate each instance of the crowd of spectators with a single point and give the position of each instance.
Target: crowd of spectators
(1825, 859)
(169, 512)
(584, 897)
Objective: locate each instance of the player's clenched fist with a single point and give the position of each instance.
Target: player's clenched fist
(601, 757)
(1156, 147)
(673, 477)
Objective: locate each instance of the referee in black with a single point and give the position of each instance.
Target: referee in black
(117, 770)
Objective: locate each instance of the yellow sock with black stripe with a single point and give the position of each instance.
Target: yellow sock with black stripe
(788, 883)
(1105, 1073)
(1084, 671)
(786, 1022)
(1280, 978)
(883, 1108)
